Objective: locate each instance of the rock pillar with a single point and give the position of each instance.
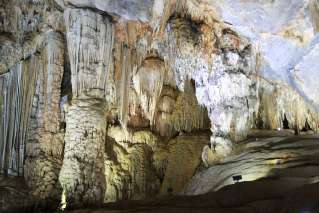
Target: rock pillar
(90, 42)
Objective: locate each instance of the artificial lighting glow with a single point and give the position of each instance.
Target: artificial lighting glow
(279, 129)
(273, 162)
(63, 201)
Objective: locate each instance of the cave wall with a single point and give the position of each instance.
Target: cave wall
(103, 100)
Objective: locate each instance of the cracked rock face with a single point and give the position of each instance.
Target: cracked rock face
(114, 100)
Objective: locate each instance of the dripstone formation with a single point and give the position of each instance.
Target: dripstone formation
(111, 100)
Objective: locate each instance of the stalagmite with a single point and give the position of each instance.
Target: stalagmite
(82, 173)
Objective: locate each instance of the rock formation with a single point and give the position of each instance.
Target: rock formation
(110, 100)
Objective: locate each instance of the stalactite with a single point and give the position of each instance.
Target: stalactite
(148, 83)
(90, 42)
(188, 115)
(17, 89)
(125, 83)
(279, 102)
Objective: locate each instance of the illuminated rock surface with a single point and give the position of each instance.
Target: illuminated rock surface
(290, 159)
(112, 100)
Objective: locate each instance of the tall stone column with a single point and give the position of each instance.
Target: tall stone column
(90, 42)
(44, 146)
(82, 175)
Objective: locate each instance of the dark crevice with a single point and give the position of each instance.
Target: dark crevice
(66, 84)
(229, 31)
(306, 127)
(285, 123)
(95, 10)
(186, 28)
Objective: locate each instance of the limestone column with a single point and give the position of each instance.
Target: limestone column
(90, 42)
(44, 146)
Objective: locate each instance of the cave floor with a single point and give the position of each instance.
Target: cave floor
(256, 196)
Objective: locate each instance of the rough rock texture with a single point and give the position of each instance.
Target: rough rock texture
(106, 100)
(183, 150)
(82, 174)
(285, 33)
(290, 183)
(129, 171)
(15, 196)
(22, 24)
(138, 164)
(90, 41)
(229, 105)
(44, 147)
(32, 138)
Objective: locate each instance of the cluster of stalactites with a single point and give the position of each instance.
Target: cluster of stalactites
(90, 41)
(16, 89)
(148, 83)
(188, 114)
(44, 145)
(30, 92)
(281, 107)
(45, 115)
(222, 76)
(18, 101)
(149, 98)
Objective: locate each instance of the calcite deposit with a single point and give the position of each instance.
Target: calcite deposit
(111, 100)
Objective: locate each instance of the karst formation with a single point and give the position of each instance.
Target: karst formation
(159, 106)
